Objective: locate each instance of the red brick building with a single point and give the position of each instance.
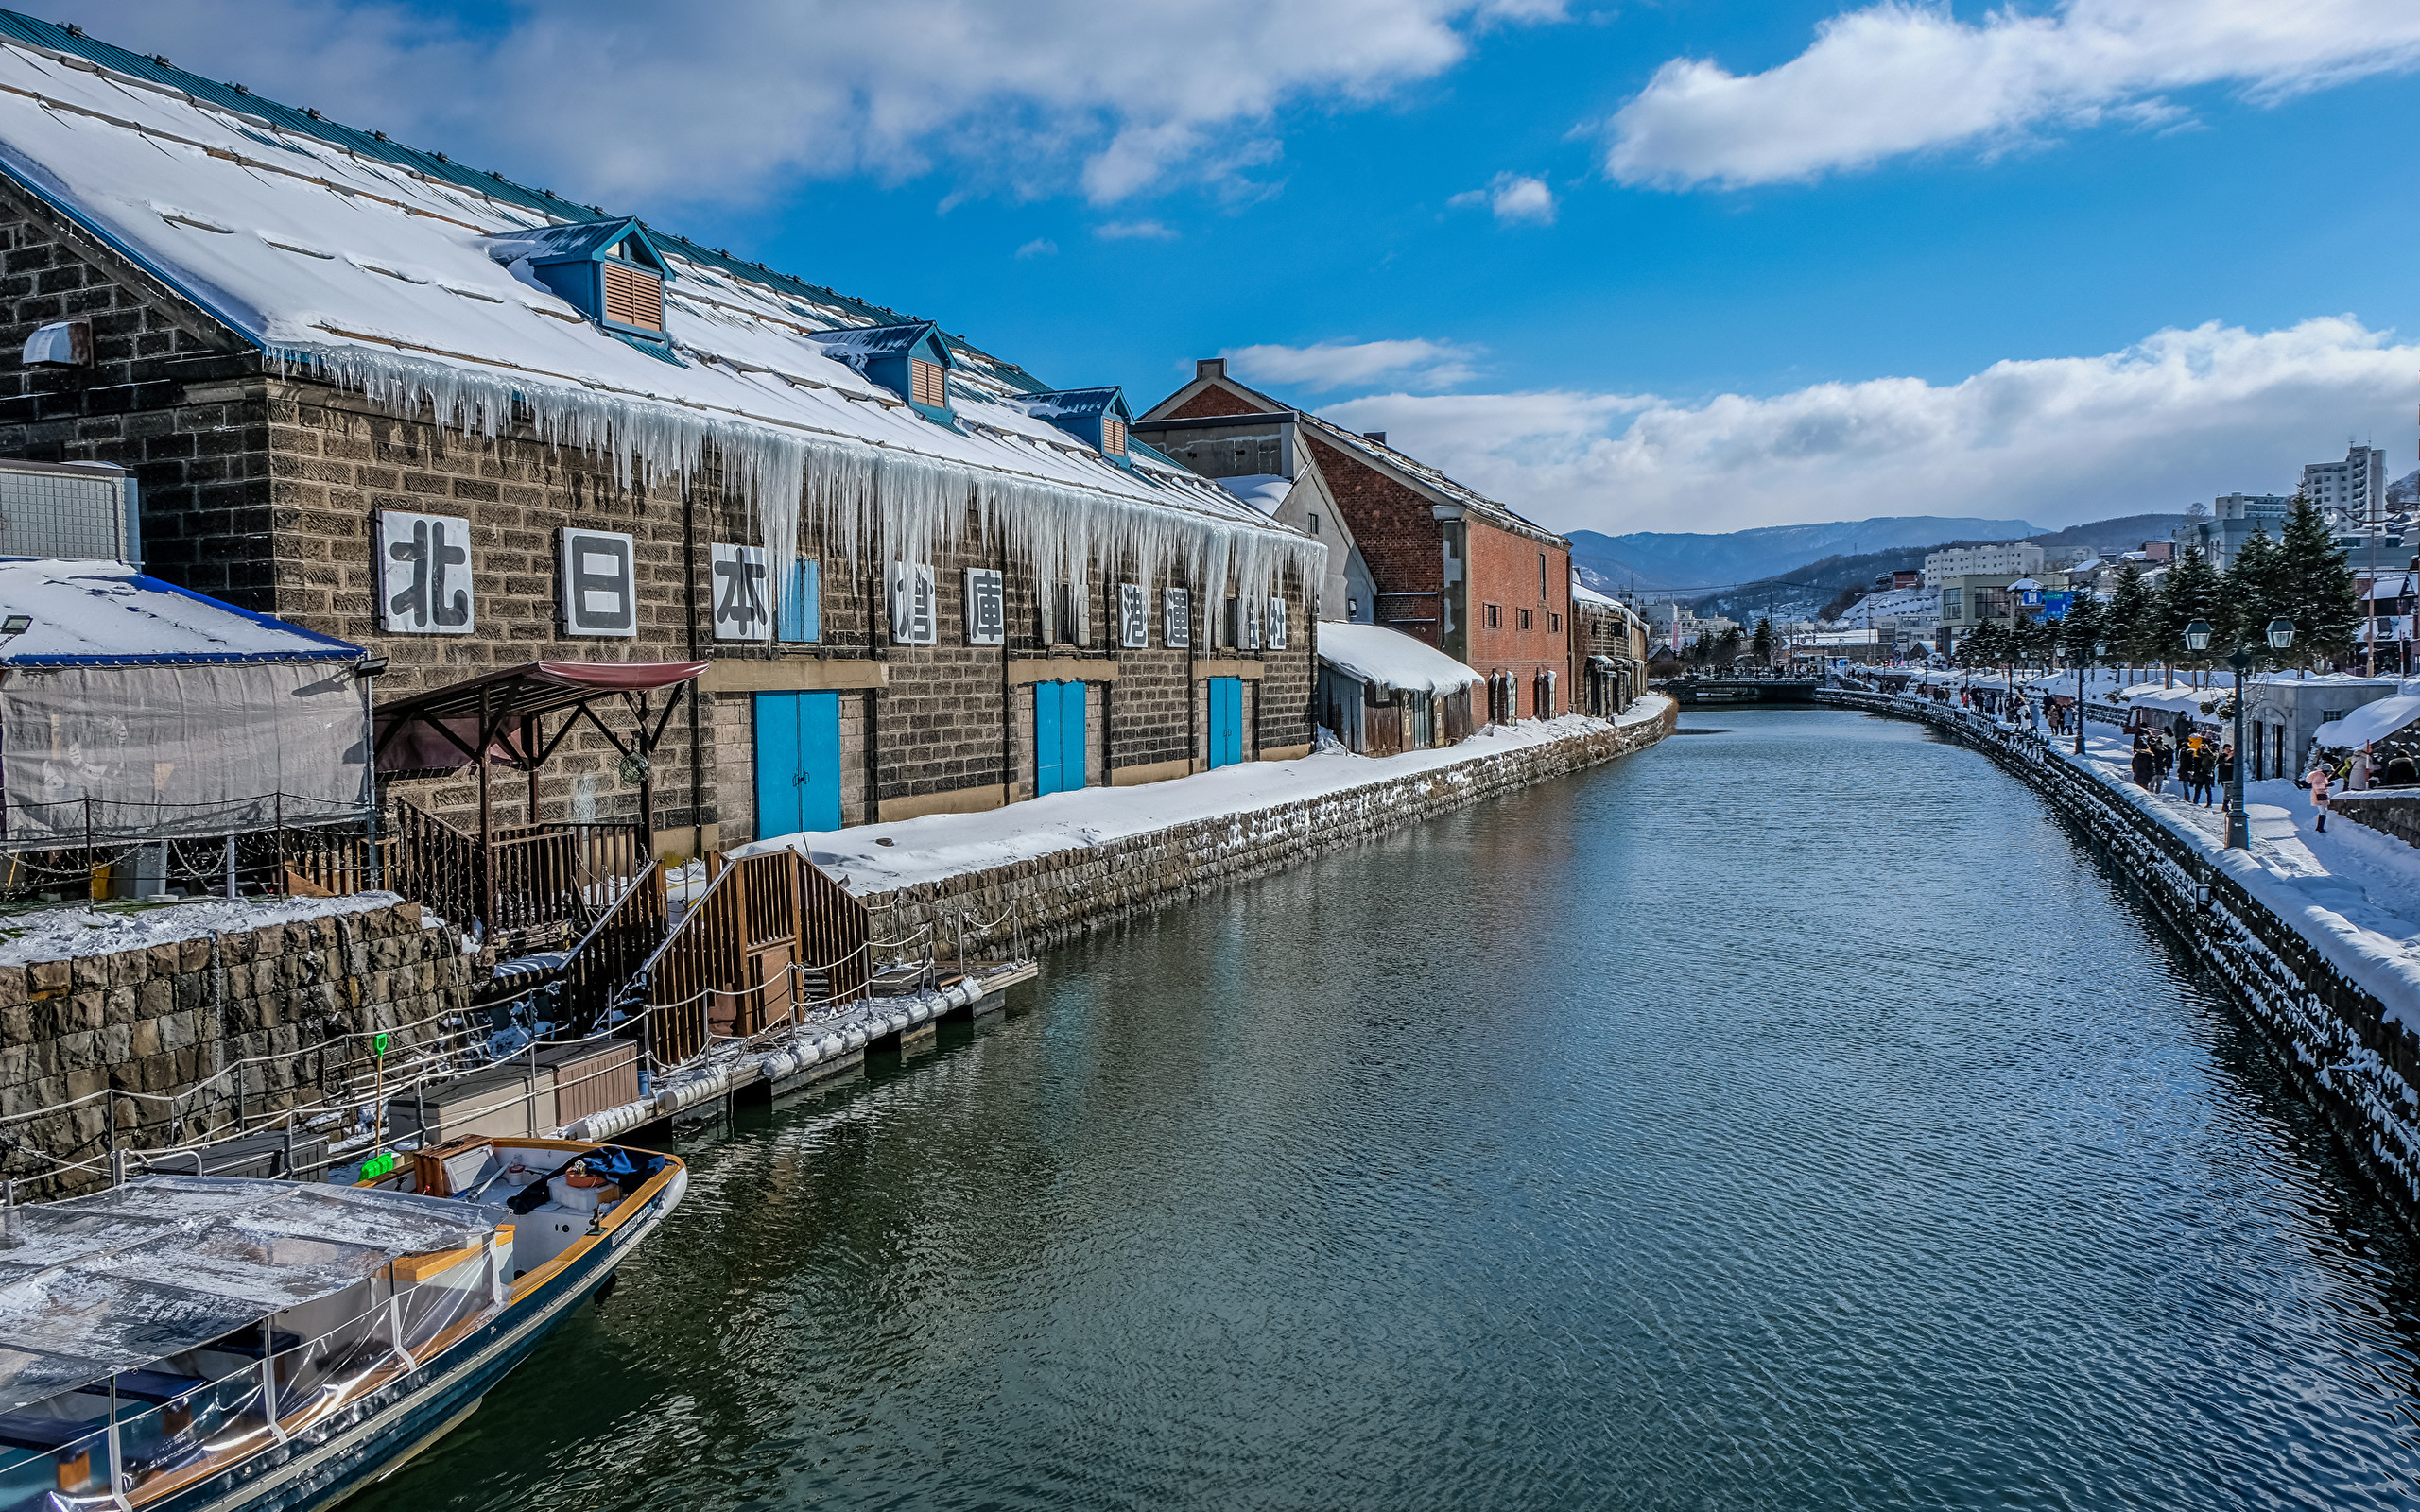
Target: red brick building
(1443, 562)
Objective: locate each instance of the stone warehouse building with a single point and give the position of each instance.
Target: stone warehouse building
(469, 426)
(1443, 562)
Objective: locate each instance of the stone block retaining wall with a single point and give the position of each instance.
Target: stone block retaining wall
(2394, 813)
(292, 999)
(1058, 895)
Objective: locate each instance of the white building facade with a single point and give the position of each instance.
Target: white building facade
(2009, 558)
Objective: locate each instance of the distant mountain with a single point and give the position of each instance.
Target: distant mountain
(1659, 560)
(1805, 591)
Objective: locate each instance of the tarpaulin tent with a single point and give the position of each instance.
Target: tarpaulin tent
(131, 709)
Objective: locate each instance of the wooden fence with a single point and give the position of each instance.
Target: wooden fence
(771, 939)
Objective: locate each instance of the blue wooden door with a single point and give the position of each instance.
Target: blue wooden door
(1046, 739)
(1058, 737)
(1071, 736)
(1226, 721)
(798, 763)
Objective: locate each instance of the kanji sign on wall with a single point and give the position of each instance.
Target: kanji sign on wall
(1179, 617)
(741, 612)
(1134, 615)
(915, 611)
(1277, 625)
(600, 583)
(425, 573)
(987, 606)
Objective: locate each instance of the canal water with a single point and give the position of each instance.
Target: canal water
(1795, 1115)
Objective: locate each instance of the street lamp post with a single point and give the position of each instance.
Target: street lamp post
(2197, 637)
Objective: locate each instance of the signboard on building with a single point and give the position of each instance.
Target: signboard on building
(425, 573)
(1134, 615)
(1277, 625)
(915, 609)
(600, 583)
(2055, 602)
(987, 606)
(1179, 631)
(741, 612)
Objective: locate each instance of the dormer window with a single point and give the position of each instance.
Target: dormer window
(609, 271)
(1097, 417)
(928, 382)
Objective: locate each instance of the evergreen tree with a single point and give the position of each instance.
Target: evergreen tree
(2082, 628)
(2318, 587)
(1762, 646)
(2188, 593)
(2252, 593)
(2129, 619)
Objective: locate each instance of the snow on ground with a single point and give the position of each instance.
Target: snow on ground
(85, 929)
(875, 858)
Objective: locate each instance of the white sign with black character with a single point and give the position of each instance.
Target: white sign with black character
(740, 611)
(1180, 618)
(600, 583)
(1277, 625)
(987, 606)
(423, 574)
(915, 612)
(1134, 615)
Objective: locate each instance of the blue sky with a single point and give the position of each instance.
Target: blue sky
(1685, 265)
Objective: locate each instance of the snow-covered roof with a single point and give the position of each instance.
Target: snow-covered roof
(1264, 491)
(2390, 585)
(371, 265)
(2372, 721)
(1390, 658)
(105, 613)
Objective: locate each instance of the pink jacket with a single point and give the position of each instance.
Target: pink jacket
(2320, 778)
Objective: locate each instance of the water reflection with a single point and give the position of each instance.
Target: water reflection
(1798, 1118)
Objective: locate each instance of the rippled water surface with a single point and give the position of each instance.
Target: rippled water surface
(1791, 1117)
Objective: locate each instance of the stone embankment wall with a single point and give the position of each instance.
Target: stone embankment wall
(1050, 897)
(2394, 813)
(293, 1000)
(2358, 1066)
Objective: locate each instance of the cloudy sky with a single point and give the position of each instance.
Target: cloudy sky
(1692, 265)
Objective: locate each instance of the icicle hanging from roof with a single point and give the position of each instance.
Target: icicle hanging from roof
(861, 497)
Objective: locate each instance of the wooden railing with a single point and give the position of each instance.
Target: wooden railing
(531, 877)
(771, 939)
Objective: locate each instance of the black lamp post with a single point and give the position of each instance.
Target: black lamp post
(2197, 638)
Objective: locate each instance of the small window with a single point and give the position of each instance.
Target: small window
(1495, 617)
(634, 297)
(1542, 578)
(928, 384)
(1113, 436)
(1315, 521)
(1525, 619)
(1554, 623)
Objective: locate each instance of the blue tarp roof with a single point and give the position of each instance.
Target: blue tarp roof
(105, 613)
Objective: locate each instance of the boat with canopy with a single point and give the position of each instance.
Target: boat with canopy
(211, 1343)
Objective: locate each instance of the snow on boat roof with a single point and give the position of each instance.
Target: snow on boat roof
(1390, 658)
(124, 1277)
(371, 265)
(105, 613)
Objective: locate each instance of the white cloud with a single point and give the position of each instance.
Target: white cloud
(1134, 230)
(1898, 78)
(1514, 196)
(1337, 365)
(2184, 415)
(613, 98)
(1039, 246)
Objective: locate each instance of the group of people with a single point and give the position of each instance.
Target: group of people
(2200, 764)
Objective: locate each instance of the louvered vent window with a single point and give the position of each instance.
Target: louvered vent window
(927, 383)
(1113, 436)
(634, 297)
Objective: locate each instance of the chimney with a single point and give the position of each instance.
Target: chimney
(1210, 368)
(1379, 436)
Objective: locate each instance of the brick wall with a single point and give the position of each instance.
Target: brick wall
(1398, 536)
(1503, 569)
(1216, 399)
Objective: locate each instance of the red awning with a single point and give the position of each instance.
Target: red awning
(437, 731)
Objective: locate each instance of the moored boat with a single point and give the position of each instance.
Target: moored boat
(215, 1343)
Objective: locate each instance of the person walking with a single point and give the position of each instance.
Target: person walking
(2206, 763)
(2145, 764)
(2320, 778)
(2227, 764)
